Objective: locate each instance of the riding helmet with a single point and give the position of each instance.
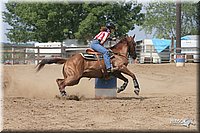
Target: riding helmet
(110, 25)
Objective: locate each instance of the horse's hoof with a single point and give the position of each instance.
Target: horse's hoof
(63, 94)
(119, 89)
(137, 91)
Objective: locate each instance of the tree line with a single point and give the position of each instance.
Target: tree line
(43, 22)
(161, 18)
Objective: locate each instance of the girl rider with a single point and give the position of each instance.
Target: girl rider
(98, 44)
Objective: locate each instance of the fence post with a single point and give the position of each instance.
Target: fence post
(172, 50)
(24, 55)
(38, 54)
(13, 50)
(151, 54)
(62, 50)
(178, 26)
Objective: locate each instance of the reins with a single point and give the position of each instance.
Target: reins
(120, 54)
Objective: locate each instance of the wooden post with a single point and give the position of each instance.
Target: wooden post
(151, 54)
(172, 50)
(13, 55)
(178, 26)
(24, 55)
(62, 50)
(180, 58)
(38, 54)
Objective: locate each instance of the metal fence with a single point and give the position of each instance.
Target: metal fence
(15, 54)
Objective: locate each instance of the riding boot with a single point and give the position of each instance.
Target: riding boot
(108, 70)
(108, 73)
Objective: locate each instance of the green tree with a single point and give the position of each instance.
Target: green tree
(56, 21)
(124, 15)
(42, 21)
(161, 18)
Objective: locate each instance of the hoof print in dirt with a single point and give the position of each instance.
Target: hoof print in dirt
(74, 97)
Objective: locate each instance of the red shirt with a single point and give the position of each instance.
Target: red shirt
(102, 36)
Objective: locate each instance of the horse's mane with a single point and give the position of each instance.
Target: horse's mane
(119, 43)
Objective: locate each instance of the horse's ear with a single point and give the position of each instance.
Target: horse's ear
(129, 38)
(134, 36)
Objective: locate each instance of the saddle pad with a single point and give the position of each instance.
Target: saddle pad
(91, 56)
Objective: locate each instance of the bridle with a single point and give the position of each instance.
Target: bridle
(131, 54)
(125, 55)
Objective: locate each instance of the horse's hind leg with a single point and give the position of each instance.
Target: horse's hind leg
(69, 81)
(61, 87)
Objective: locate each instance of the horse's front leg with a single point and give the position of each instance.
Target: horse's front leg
(125, 70)
(120, 76)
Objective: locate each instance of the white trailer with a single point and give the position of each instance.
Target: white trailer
(190, 48)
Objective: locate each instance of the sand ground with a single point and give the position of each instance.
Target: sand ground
(168, 93)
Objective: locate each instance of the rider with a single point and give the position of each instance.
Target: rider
(98, 42)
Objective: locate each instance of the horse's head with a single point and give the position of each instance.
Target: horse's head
(126, 46)
(131, 46)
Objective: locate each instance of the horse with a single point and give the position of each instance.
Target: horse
(77, 66)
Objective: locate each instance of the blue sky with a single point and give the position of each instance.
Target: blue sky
(3, 25)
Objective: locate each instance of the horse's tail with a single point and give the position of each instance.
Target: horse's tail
(50, 61)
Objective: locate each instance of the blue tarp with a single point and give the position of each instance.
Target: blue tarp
(161, 44)
(190, 37)
(185, 38)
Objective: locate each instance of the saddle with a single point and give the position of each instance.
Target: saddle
(92, 55)
(96, 56)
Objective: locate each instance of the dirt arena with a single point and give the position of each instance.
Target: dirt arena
(168, 93)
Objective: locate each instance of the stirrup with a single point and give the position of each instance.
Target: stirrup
(110, 70)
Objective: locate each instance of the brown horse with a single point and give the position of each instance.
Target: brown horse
(77, 66)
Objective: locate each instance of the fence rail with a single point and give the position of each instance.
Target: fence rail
(13, 54)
